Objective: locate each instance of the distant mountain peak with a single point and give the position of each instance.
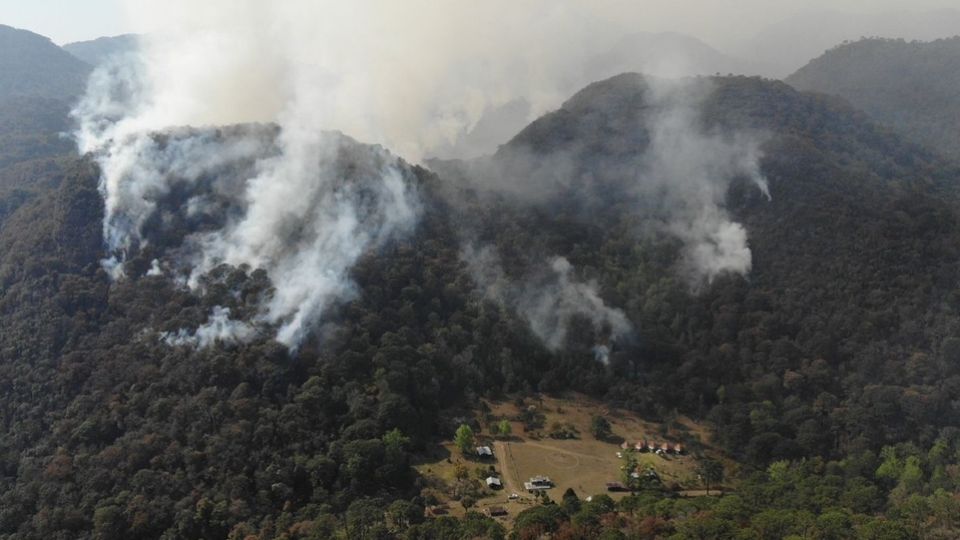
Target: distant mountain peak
(32, 65)
(911, 86)
(95, 51)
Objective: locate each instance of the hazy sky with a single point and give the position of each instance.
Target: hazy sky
(64, 21)
(712, 20)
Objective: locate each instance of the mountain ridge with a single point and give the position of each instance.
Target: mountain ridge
(815, 357)
(910, 86)
(787, 45)
(96, 51)
(32, 65)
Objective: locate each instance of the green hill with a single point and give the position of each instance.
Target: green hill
(914, 87)
(829, 370)
(38, 82)
(31, 65)
(96, 51)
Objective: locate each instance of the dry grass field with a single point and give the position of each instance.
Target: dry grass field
(584, 463)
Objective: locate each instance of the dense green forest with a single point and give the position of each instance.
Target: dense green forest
(910, 86)
(830, 372)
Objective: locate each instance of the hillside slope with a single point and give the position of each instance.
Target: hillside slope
(856, 246)
(913, 87)
(31, 65)
(787, 45)
(836, 341)
(38, 83)
(96, 51)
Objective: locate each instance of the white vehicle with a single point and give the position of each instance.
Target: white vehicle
(513, 497)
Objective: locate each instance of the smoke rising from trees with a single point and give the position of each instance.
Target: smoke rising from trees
(302, 204)
(689, 170)
(549, 300)
(284, 202)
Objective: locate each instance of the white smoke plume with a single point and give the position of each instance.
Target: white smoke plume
(551, 310)
(601, 353)
(292, 207)
(409, 75)
(416, 76)
(641, 141)
(219, 327)
(548, 303)
(413, 76)
(690, 170)
(333, 228)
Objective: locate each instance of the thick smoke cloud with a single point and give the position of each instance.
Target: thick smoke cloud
(550, 301)
(423, 78)
(639, 144)
(409, 75)
(689, 171)
(301, 203)
(414, 76)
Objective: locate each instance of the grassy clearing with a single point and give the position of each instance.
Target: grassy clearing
(582, 463)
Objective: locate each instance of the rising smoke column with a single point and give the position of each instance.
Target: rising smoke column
(299, 214)
(412, 76)
(642, 141)
(548, 302)
(551, 309)
(409, 75)
(689, 170)
(639, 140)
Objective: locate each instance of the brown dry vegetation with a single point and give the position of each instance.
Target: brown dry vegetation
(583, 464)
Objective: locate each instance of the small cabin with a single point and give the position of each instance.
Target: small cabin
(538, 483)
(484, 452)
(496, 511)
(541, 480)
(439, 510)
(494, 483)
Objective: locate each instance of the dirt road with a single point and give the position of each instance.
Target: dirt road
(508, 468)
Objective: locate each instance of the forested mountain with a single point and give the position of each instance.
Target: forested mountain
(827, 354)
(664, 54)
(38, 83)
(32, 127)
(853, 272)
(787, 45)
(912, 86)
(31, 65)
(95, 51)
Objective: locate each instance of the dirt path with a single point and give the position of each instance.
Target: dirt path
(714, 492)
(565, 451)
(511, 482)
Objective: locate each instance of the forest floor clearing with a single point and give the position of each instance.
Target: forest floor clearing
(581, 462)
